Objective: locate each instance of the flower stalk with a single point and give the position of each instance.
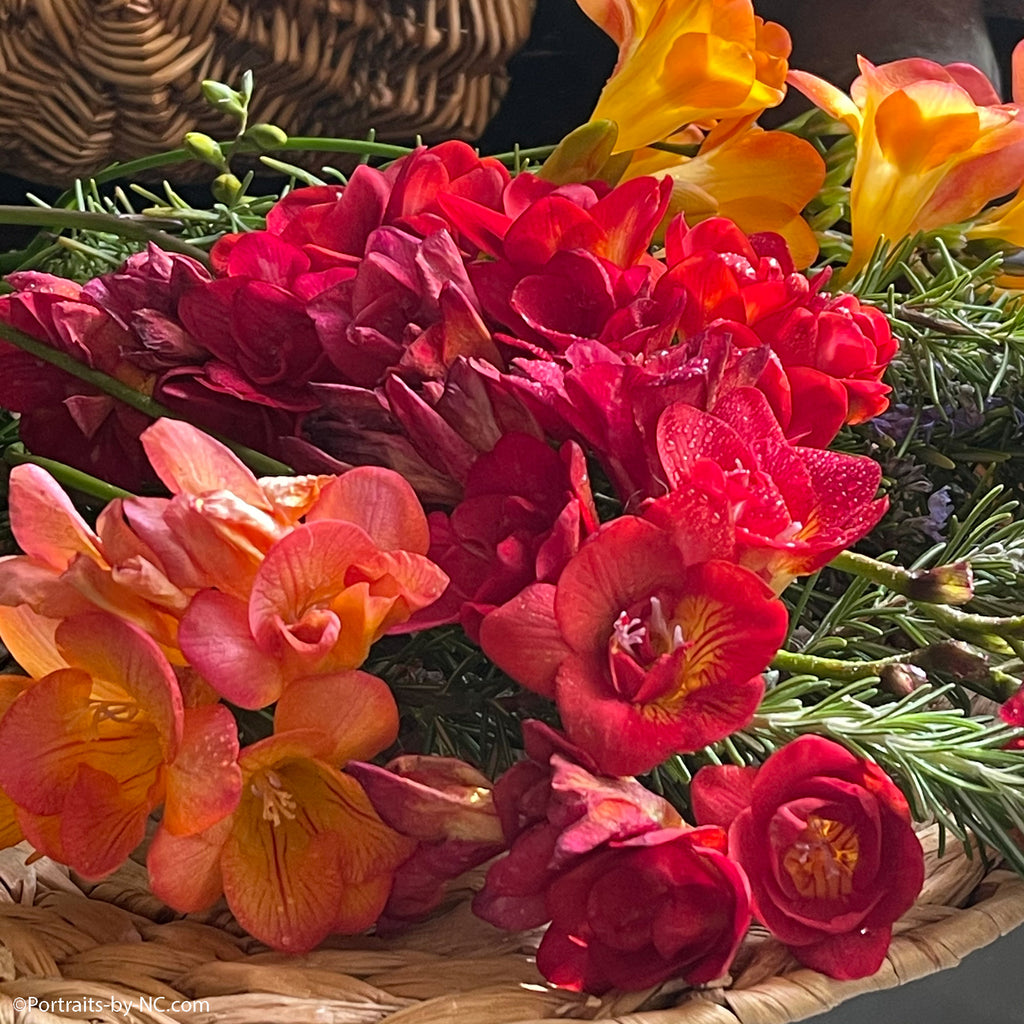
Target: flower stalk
(15, 455)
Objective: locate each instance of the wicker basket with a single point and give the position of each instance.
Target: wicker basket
(62, 938)
(87, 82)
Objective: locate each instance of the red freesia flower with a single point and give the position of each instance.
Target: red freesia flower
(830, 351)
(828, 846)
(555, 810)
(649, 644)
(664, 904)
(523, 514)
(794, 508)
(62, 417)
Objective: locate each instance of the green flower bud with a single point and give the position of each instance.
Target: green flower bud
(265, 136)
(224, 98)
(581, 154)
(226, 189)
(208, 150)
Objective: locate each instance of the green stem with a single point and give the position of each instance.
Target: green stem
(124, 227)
(835, 668)
(312, 144)
(259, 462)
(15, 455)
(991, 683)
(893, 577)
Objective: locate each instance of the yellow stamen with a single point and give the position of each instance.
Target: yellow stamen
(822, 861)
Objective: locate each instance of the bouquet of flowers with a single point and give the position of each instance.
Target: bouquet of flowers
(466, 511)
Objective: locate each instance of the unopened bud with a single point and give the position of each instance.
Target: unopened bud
(226, 188)
(208, 150)
(955, 661)
(945, 584)
(902, 680)
(265, 137)
(224, 98)
(582, 154)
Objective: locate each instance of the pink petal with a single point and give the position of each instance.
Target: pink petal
(45, 522)
(189, 461)
(523, 639)
(216, 639)
(354, 710)
(379, 501)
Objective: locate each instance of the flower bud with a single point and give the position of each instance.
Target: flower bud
(265, 137)
(224, 98)
(208, 150)
(581, 154)
(226, 188)
(945, 584)
(901, 680)
(955, 661)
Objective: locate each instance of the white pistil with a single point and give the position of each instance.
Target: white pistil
(278, 803)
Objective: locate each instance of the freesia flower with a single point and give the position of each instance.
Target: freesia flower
(62, 417)
(934, 145)
(794, 509)
(221, 520)
(759, 180)
(827, 842)
(304, 854)
(660, 905)
(633, 894)
(322, 595)
(523, 515)
(682, 61)
(555, 809)
(92, 749)
(648, 643)
(828, 352)
(68, 568)
(446, 807)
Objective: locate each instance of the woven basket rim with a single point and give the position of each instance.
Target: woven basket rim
(61, 936)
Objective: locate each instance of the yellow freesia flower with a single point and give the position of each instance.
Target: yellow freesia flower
(760, 180)
(934, 145)
(685, 61)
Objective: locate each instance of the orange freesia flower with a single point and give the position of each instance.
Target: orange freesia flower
(221, 520)
(68, 568)
(934, 145)
(759, 180)
(304, 854)
(92, 748)
(324, 593)
(682, 61)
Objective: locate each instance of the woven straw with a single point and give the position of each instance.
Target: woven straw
(63, 938)
(87, 82)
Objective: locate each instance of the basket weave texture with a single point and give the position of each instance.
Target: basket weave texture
(61, 937)
(87, 82)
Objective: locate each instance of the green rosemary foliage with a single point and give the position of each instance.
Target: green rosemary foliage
(454, 701)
